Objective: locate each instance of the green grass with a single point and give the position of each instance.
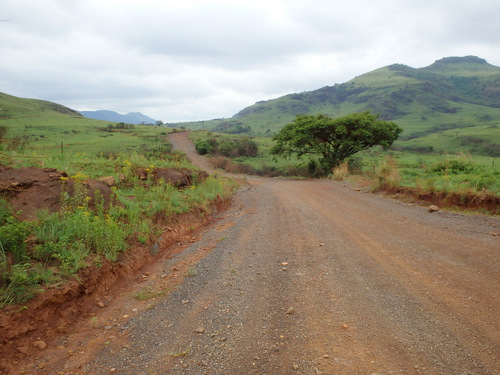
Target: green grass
(450, 173)
(479, 140)
(35, 255)
(462, 173)
(65, 240)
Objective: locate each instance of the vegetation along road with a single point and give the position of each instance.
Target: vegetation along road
(314, 277)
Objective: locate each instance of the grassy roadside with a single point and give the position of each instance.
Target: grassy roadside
(460, 180)
(40, 254)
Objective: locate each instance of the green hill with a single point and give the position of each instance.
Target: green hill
(447, 106)
(38, 127)
(12, 107)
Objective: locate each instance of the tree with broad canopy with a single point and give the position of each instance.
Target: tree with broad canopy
(334, 139)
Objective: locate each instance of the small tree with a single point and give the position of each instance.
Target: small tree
(334, 139)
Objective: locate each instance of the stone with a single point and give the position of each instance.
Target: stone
(433, 208)
(110, 181)
(290, 311)
(172, 176)
(41, 345)
(101, 304)
(22, 349)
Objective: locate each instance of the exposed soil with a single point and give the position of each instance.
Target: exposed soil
(32, 189)
(298, 277)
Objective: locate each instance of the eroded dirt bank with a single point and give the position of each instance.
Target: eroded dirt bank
(307, 277)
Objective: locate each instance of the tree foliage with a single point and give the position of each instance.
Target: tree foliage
(228, 147)
(334, 139)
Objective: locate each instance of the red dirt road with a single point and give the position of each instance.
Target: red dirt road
(312, 277)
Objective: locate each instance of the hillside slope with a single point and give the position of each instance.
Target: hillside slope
(459, 93)
(34, 126)
(14, 107)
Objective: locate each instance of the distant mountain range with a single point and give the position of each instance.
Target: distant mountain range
(453, 104)
(130, 118)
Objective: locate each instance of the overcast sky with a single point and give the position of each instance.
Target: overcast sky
(188, 60)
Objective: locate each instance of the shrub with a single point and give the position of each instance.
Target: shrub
(228, 147)
(204, 147)
(456, 166)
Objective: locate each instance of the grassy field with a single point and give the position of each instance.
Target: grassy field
(460, 173)
(435, 172)
(42, 134)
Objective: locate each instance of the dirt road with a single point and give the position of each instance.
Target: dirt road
(312, 277)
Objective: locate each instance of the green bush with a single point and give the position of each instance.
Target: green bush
(228, 147)
(204, 147)
(456, 166)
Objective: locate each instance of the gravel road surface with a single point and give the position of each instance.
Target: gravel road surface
(313, 277)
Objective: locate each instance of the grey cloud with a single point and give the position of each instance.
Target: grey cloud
(195, 59)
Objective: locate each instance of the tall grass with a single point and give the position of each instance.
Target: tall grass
(341, 171)
(388, 177)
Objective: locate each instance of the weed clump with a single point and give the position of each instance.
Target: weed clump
(341, 171)
(388, 176)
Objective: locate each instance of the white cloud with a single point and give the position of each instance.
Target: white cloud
(194, 59)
